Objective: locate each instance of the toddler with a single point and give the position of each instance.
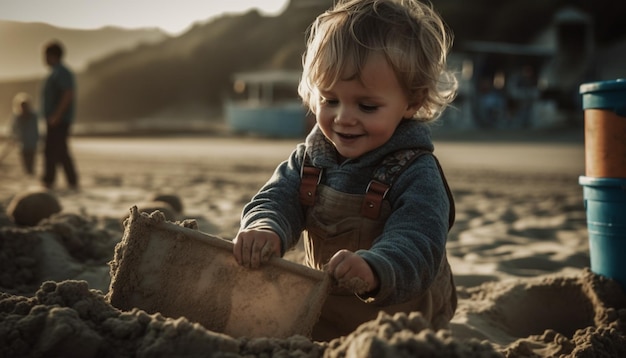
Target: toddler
(25, 131)
(364, 189)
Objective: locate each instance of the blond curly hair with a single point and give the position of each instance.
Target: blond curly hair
(411, 35)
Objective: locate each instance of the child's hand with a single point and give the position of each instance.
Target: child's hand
(352, 272)
(254, 247)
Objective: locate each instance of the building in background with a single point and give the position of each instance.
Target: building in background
(532, 85)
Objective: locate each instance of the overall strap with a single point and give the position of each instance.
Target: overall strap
(310, 177)
(392, 166)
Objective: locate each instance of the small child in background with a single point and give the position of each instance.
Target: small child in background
(25, 130)
(364, 189)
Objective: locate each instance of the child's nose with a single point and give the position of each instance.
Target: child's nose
(344, 116)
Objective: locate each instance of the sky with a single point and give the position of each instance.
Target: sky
(173, 16)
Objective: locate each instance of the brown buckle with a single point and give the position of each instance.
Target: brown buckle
(310, 178)
(372, 202)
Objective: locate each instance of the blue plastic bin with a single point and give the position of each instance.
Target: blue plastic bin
(605, 204)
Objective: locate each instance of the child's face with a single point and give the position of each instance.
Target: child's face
(25, 107)
(361, 114)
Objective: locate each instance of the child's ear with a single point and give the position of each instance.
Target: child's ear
(412, 109)
(415, 104)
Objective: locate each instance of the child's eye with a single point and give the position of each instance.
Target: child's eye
(368, 108)
(329, 102)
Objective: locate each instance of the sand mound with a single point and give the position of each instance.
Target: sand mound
(577, 316)
(30, 207)
(82, 237)
(68, 319)
(62, 247)
(20, 255)
(405, 336)
(173, 200)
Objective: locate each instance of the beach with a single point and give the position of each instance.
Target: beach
(518, 250)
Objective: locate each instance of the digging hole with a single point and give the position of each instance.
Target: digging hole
(532, 310)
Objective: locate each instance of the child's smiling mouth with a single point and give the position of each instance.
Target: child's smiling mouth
(349, 136)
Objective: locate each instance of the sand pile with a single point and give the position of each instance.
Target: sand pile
(68, 319)
(578, 316)
(30, 207)
(64, 246)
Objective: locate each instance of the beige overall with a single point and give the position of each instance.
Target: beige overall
(336, 222)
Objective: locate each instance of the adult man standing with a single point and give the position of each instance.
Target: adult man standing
(58, 106)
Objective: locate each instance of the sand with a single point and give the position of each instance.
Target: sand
(518, 250)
